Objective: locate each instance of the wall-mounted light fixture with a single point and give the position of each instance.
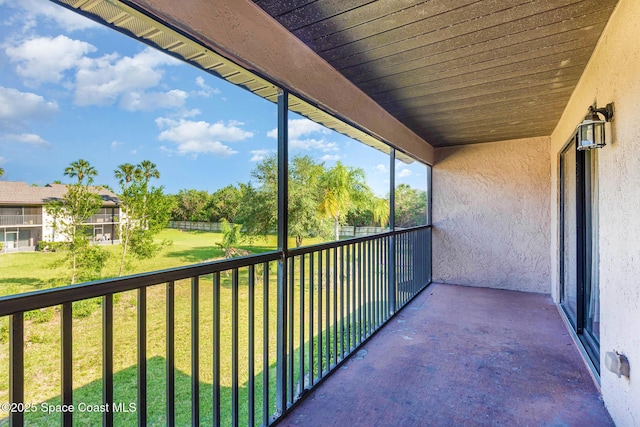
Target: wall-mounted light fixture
(591, 132)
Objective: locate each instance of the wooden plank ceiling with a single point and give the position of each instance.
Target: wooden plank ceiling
(456, 71)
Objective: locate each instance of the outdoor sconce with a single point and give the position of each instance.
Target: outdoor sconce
(591, 132)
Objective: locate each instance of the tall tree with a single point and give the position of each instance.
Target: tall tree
(125, 174)
(341, 186)
(259, 212)
(305, 175)
(380, 211)
(147, 170)
(225, 203)
(78, 204)
(411, 206)
(146, 210)
(190, 205)
(82, 170)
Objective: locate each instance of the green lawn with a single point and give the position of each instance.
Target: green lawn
(29, 271)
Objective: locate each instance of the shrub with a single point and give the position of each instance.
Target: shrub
(50, 246)
(39, 316)
(90, 262)
(4, 330)
(85, 308)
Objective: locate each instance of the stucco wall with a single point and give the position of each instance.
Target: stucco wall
(613, 75)
(491, 215)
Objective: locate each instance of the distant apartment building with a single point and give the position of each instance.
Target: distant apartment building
(25, 218)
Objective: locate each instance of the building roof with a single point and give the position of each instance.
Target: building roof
(451, 71)
(21, 193)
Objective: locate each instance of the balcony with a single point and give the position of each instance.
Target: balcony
(462, 356)
(289, 338)
(12, 220)
(102, 218)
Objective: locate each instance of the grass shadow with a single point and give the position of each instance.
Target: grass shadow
(16, 285)
(198, 254)
(88, 400)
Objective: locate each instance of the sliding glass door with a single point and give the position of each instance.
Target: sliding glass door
(580, 297)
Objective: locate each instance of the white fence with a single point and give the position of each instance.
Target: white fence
(345, 230)
(192, 225)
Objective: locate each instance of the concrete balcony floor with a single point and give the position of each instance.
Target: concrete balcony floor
(462, 356)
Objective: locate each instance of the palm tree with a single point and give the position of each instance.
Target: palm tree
(148, 170)
(380, 210)
(125, 173)
(81, 169)
(342, 186)
(1, 172)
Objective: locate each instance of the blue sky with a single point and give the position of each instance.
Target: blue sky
(71, 89)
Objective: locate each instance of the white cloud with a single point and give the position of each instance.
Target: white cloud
(65, 19)
(2, 160)
(45, 59)
(303, 127)
(28, 138)
(168, 151)
(206, 90)
(149, 101)
(17, 108)
(116, 144)
(105, 80)
(299, 128)
(102, 81)
(259, 155)
(382, 168)
(330, 157)
(189, 113)
(300, 132)
(193, 137)
(313, 144)
(405, 173)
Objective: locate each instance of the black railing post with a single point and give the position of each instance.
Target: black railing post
(195, 351)
(215, 343)
(142, 356)
(16, 363)
(265, 344)
(107, 359)
(66, 345)
(283, 220)
(170, 356)
(235, 397)
(392, 226)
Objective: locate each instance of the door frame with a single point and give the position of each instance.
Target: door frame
(585, 217)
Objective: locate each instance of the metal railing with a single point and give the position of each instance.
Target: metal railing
(20, 219)
(102, 218)
(261, 339)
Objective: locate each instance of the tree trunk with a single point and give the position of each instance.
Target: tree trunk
(336, 228)
(73, 271)
(124, 244)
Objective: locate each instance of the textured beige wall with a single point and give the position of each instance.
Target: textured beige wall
(613, 75)
(491, 215)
